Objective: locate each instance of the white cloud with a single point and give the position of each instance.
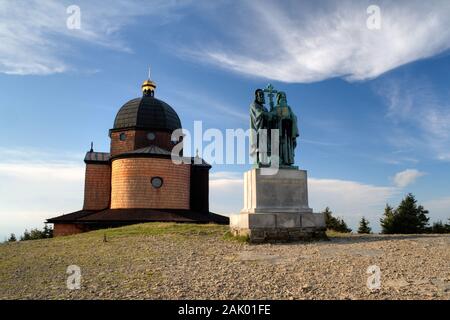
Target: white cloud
(299, 42)
(439, 209)
(290, 42)
(36, 40)
(226, 190)
(350, 199)
(36, 185)
(406, 177)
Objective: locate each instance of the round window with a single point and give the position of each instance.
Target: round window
(122, 136)
(151, 136)
(157, 182)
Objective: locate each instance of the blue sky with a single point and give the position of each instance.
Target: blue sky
(373, 105)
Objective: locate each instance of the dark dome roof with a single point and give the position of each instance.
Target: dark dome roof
(147, 113)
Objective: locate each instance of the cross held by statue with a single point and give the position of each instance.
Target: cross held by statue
(270, 93)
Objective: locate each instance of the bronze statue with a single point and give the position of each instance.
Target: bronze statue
(263, 122)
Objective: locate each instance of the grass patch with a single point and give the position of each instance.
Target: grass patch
(230, 237)
(335, 234)
(163, 228)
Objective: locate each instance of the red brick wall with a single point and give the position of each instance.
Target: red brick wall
(65, 229)
(118, 146)
(137, 139)
(162, 139)
(131, 184)
(97, 186)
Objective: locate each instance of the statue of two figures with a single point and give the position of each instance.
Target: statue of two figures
(274, 131)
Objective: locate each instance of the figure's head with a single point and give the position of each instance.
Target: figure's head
(281, 98)
(259, 96)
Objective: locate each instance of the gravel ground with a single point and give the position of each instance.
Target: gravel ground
(197, 262)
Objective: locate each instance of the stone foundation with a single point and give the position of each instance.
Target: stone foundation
(281, 227)
(280, 234)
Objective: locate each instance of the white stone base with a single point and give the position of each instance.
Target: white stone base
(276, 208)
(283, 192)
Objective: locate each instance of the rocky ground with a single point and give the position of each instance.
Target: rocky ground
(167, 261)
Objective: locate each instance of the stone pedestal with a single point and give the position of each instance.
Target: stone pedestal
(276, 208)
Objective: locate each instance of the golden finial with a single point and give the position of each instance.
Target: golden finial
(148, 87)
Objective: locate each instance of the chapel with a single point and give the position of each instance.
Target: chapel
(137, 181)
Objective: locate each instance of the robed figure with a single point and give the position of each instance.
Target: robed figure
(266, 124)
(286, 122)
(260, 119)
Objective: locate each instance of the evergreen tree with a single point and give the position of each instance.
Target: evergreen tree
(387, 222)
(439, 227)
(12, 238)
(26, 236)
(36, 234)
(329, 219)
(342, 226)
(364, 226)
(48, 232)
(410, 218)
(407, 218)
(333, 223)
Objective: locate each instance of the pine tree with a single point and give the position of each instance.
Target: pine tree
(333, 223)
(407, 218)
(410, 218)
(12, 238)
(364, 226)
(342, 226)
(48, 232)
(329, 220)
(438, 227)
(26, 236)
(387, 222)
(36, 234)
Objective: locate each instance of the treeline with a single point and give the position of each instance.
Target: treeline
(407, 218)
(33, 234)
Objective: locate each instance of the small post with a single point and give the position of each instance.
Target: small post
(104, 238)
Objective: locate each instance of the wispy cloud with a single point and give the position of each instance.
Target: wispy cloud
(298, 42)
(406, 177)
(36, 40)
(321, 143)
(210, 106)
(420, 116)
(290, 41)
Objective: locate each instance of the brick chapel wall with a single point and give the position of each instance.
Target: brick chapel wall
(162, 139)
(118, 146)
(97, 186)
(132, 188)
(137, 139)
(66, 229)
